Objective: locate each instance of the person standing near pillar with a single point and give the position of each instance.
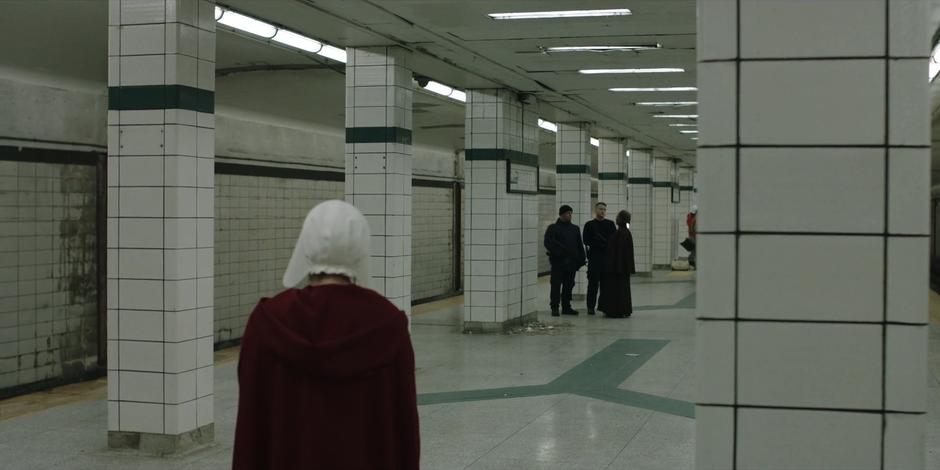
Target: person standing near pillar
(690, 220)
(566, 255)
(616, 298)
(596, 234)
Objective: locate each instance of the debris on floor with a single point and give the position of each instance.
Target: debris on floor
(540, 328)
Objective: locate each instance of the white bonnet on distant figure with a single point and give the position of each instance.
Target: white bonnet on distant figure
(335, 239)
(695, 209)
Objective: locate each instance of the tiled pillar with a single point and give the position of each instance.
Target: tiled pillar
(379, 93)
(501, 234)
(161, 145)
(812, 286)
(684, 206)
(573, 180)
(664, 175)
(612, 175)
(640, 205)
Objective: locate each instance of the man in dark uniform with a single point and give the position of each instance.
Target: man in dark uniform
(566, 254)
(596, 234)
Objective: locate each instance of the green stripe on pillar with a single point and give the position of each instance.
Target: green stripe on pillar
(611, 176)
(378, 135)
(147, 97)
(513, 156)
(685, 188)
(662, 184)
(571, 169)
(640, 181)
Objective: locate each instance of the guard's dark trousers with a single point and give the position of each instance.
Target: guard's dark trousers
(562, 285)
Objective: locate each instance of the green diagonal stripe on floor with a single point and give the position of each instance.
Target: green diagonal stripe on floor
(596, 377)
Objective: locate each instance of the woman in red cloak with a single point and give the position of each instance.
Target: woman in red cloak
(326, 370)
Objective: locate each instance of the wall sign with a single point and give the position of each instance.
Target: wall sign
(521, 179)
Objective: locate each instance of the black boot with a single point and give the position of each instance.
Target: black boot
(569, 311)
(590, 311)
(554, 311)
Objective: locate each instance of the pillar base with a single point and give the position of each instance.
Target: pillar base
(490, 327)
(645, 274)
(162, 444)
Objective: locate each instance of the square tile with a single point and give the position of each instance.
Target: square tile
(715, 286)
(140, 263)
(906, 372)
(141, 417)
(908, 279)
(136, 233)
(908, 189)
(178, 171)
(204, 381)
(717, 189)
(205, 75)
(140, 325)
(141, 356)
(179, 264)
(207, 45)
(714, 437)
(714, 356)
(141, 11)
(909, 31)
(140, 294)
(141, 386)
(179, 295)
(179, 326)
(820, 28)
(179, 357)
(808, 439)
(204, 322)
(180, 418)
(181, 140)
(204, 352)
(140, 140)
(204, 411)
(142, 39)
(142, 70)
(205, 142)
(180, 388)
(813, 103)
(717, 99)
(810, 365)
(179, 233)
(812, 190)
(909, 102)
(776, 284)
(114, 416)
(717, 29)
(904, 440)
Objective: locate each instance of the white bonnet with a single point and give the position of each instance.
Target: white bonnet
(335, 239)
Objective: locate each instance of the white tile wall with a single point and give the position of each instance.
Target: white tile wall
(640, 205)
(573, 147)
(161, 196)
(817, 154)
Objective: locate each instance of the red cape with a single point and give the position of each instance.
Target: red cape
(326, 381)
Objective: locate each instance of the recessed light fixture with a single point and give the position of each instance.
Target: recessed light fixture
(621, 71)
(548, 126)
(538, 15)
(694, 138)
(595, 142)
(666, 104)
(638, 47)
(681, 124)
(688, 132)
(247, 24)
(672, 88)
(934, 64)
(676, 116)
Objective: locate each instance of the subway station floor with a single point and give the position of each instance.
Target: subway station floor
(587, 393)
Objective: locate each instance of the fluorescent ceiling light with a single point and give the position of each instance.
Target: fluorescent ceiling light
(549, 126)
(673, 88)
(334, 53)
(642, 47)
(681, 124)
(459, 96)
(218, 13)
(621, 71)
(248, 24)
(535, 15)
(934, 65)
(439, 88)
(298, 41)
(694, 138)
(667, 103)
(595, 142)
(676, 116)
(689, 132)
(444, 90)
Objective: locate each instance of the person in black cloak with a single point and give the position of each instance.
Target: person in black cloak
(616, 300)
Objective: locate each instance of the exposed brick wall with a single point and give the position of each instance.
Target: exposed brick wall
(48, 272)
(257, 220)
(432, 242)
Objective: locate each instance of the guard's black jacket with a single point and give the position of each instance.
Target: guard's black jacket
(564, 245)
